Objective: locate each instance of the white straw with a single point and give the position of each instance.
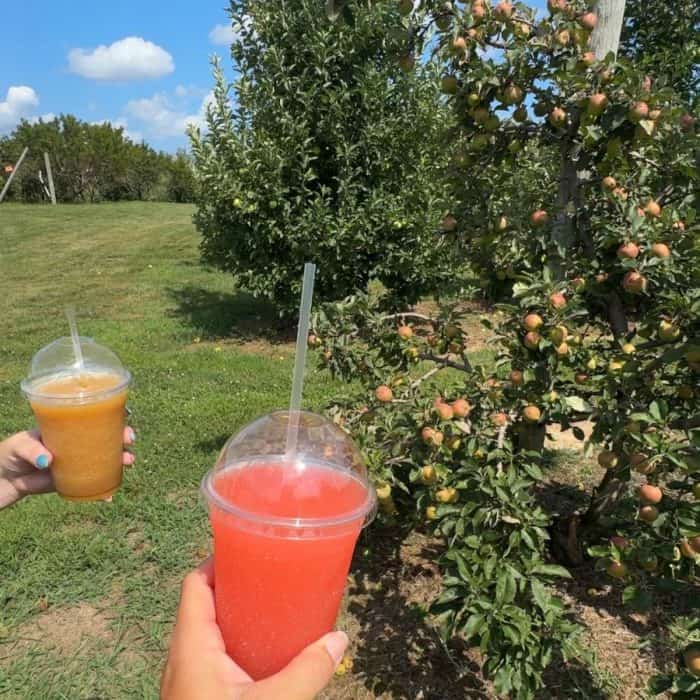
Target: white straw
(307, 292)
(77, 350)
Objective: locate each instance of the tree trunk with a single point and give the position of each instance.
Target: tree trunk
(606, 35)
(605, 39)
(569, 534)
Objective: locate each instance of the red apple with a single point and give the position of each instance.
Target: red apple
(539, 217)
(638, 111)
(461, 408)
(652, 209)
(687, 122)
(533, 322)
(557, 117)
(588, 21)
(532, 340)
(634, 282)
(617, 569)
(608, 459)
(384, 393)
(512, 95)
(578, 283)
(531, 414)
(649, 494)
(498, 419)
(517, 378)
(503, 10)
(648, 513)
(660, 250)
(609, 183)
(597, 103)
(588, 59)
(557, 300)
(628, 251)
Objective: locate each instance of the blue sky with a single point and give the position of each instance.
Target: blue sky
(141, 64)
(153, 84)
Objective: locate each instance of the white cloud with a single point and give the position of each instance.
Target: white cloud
(161, 118)
(131, 58)
(19, 103)
(48, 117)
(183, 92)
(222, 35)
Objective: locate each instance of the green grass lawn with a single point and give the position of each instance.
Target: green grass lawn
(88, 592)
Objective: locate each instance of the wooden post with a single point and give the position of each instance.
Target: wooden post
(605, 39)
(49, 174)
(13, 173)
(43, 184)
(606, 35)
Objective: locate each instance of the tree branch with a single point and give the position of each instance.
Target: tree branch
(446, 362)
(617, 315)
(410, 314)
(427, 375)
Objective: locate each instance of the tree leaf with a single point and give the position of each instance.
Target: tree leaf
(551, 570)
(576, 403)
(473, 625)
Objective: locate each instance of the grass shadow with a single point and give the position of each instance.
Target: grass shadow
(398, 652)
(212, 444)
(236, 315)
(571, 679)
(592, 591)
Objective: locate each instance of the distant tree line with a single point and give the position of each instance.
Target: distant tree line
(91, 163)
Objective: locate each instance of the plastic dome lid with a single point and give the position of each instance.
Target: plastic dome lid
(57, 360)
(319, 442)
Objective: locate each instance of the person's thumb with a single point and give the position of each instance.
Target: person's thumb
(306, 675)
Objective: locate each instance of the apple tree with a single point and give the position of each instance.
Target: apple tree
(574, 173)
(324, 153)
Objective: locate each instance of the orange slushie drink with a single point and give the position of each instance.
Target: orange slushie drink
(80, 411)
(285, 528)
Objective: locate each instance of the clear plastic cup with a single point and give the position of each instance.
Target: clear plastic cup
(284, 532)
(81, 414)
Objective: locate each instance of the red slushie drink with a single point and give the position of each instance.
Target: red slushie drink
(284, 533)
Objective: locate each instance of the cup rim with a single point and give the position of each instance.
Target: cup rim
(27, 386)
(364, 512)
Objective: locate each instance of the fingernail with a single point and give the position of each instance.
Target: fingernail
(42, 461)
(336, 643)
(132, 435)
(129, 459)
(109, 499)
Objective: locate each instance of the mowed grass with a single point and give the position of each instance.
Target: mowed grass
(88, 591)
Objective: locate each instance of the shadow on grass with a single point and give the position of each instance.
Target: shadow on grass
(398, 651)
(212, 444)
(238, 316)
(594, 589)
(570, 680)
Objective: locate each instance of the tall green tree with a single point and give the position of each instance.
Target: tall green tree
(326, 153)
(93, 162)
(663, 38)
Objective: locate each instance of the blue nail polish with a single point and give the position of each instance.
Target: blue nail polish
(42, 461)
(132, 435)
